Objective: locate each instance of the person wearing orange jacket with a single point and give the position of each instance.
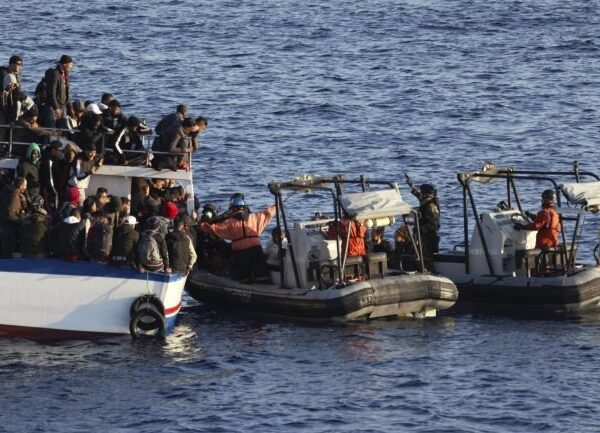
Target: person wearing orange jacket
(356, 240)
(243, 229)
(546, 222)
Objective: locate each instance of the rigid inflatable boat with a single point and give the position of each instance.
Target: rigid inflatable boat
(500, 264)
(314, 278)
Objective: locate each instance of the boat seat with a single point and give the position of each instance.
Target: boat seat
(376, 265)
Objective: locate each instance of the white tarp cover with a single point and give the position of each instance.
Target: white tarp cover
(374, 204)
(582, 193)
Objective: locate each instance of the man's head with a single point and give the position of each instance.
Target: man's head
(55, 149)
(200, 124)
(134, 123)
(188, 124)
(114, 107)
(90, 152)
(428, 190)
(183, 110)
(102, 196)
(21, 184)
(106, 98)
(78, 108)
(377, 235)
(65, 63)
(70, 152)
(237, 200)
(15, 63)
(549, 197)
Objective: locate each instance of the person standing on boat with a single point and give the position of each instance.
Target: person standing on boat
(546, 222)
(14, 210)
(356, 240)
(243, 228)
(429, 220)
(33, 235)
(57, 93)
(126, 239)
(182, 253)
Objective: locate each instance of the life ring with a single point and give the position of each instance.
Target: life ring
(147, 321)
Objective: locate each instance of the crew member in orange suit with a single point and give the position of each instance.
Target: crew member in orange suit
(546, 222)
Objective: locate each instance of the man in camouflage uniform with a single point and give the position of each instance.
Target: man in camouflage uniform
(429, 220)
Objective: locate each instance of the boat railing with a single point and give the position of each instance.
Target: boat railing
(7, 138)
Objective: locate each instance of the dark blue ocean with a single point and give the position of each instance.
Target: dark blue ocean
(380, 88)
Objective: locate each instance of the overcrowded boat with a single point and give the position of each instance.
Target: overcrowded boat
(50, 298)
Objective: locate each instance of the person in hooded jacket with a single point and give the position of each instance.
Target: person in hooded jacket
(127, 138)
(33, 234)
(29, 168)
(68, 237)
(64, 169)
(243, 229)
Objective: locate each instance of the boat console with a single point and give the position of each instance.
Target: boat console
(503, 241)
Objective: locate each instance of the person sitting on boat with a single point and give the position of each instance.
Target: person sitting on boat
(356, 240)
(404, 251)
(68, 237)
(429, 220)
(126, 239)
(151, 251)
(34, 230)
(243, 228)
(379, 244)
(76, 114)
(29, 168)
(546, 222)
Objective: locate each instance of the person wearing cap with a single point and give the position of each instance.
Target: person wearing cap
(182, 254)
(546, 222)
(429, 220)
(57, 93)
(75, 115)
(34, 230)
(126, 238)
(243, 229)
(68, 237)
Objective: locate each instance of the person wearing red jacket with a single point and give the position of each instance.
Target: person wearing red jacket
(356, 240)
(243, 229)
(546, 222)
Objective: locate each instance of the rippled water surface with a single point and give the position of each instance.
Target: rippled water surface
(378, 88)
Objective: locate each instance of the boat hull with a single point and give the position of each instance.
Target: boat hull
(51, 299)
(401, 295)
(563, 293)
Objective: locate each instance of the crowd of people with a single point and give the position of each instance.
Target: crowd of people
(99, 127)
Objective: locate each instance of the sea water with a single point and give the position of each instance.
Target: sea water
(380, 88)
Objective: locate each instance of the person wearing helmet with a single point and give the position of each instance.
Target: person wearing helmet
(546, 222)
(243, 228)
(429, 220)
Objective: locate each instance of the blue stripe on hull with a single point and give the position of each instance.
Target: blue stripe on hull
(85, 269)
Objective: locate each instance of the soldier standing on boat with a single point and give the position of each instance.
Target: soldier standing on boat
(429, 220)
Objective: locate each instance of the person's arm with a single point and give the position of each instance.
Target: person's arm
(541, 220)
(164, 252)
(174, 146)
(193, 256)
